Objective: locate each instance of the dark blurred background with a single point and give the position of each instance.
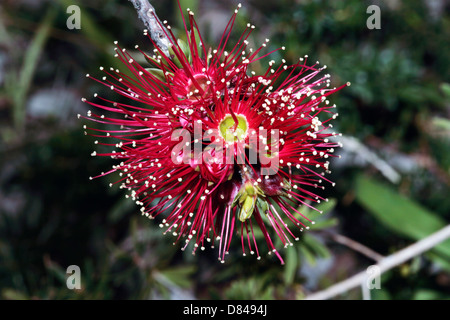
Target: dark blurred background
(392, 182)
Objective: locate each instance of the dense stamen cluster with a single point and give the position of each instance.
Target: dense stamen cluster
(211, 148)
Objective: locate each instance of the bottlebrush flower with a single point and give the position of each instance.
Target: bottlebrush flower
(213, 150)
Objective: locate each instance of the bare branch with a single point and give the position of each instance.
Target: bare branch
(385, 264)
(147, 14)
(367, 155)
(355, 246)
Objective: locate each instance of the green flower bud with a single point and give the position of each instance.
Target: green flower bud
(231, 132)
(157, 73)
(250, 189)
(247, 208)
(262, 204)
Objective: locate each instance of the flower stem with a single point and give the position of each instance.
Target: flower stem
(385, 264)
(147, 14)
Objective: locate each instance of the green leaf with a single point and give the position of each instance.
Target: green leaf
(55, 269)
(12, 294)
(380, 294)
(174, 57)
(321, 221)
(315, 246)
(157, 73)
(180, 276)
(306, 254)
(185, 48)
(443, 262)
(291, 265)
(426, 294)
(155, 62)
(398, 213)
(327, 206)
(195, 36)
(31, 59)
(184, 51)
(441, 123)
(249, 289)
(445, 87)
(324, 224)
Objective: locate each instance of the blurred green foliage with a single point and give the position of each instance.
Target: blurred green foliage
(52, 216)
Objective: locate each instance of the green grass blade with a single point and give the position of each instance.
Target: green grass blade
(31, 59)
(398, 213)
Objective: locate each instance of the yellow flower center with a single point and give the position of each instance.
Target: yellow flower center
(231, 132)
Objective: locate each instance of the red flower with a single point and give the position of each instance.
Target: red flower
(215, 150)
